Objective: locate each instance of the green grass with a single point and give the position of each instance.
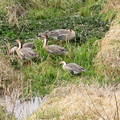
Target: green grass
(85, 28)
(4, 115)
(44, 74)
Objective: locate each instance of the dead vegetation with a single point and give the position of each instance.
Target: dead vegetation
(112, 11)
(12, 87)
(108, 57)
(17, 11)
(14, 13)
(107, 61)
(8, 75)
(90, 102)
(111, 4)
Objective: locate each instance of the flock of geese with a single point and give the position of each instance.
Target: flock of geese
(25, 51)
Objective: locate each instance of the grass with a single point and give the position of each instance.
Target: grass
(84, 96)
(108, 54)
(82, 101)
(85, 28)
(3, 114)
(44, 75)
(89, 95)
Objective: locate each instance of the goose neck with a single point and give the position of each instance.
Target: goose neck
(64, 64)
(20, 45)
(45, 42)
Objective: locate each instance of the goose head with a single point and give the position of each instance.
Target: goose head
(45, 38)
(43, 35)
(20, 43)
(39, 35)
(48, 33)
(18, 40)
(62, 62)
(72, 32)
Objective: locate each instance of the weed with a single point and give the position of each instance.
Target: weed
(44, 72)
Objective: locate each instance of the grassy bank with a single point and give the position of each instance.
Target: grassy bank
(81, 102)
(90, 20)
(44, 74)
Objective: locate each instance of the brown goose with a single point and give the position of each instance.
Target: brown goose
(25, 45)
(60, 34)
(29, 45)
(73, 68)
(54, 49)
(25, 53)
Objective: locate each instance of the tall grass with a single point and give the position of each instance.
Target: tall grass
(37, 9)
(83, 101)
(44, 72)
(26, 18)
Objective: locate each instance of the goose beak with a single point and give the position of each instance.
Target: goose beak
(59, 64)
(39, 35)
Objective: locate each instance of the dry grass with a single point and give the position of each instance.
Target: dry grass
(112, 11)
(8, 76)
(14, 13)
(111, 4)
(90, 102)
(12, 85)
(108, 58)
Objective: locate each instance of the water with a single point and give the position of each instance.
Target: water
(19, 107)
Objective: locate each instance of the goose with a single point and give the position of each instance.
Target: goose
(25, 45)
(25, 53)
(60, 34)
(29, 44)
(73, 68)
(53, 49)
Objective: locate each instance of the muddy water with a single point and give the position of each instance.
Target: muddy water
(19, 107)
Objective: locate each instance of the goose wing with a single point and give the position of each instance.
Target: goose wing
(57, 33)
(55, 49)
(74, 67)
(60, 31)
(29, 45)
(62, 37)
(27, 53)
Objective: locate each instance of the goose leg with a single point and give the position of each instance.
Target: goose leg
(47, 57)
(29, 62)
(62, 42)
(67, 54)
(71, 72)
(23, 64)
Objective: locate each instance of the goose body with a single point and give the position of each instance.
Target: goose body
(29, 45)
(25, 45)
(25, 53)
(73, 68)
(60, 34)
(53, 49)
